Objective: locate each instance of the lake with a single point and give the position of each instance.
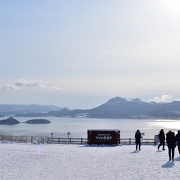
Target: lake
(78, 126)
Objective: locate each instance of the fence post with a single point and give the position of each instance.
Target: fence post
(129, 140)
(81, 140)
(58, 140)
(51, 138)
(68, 133)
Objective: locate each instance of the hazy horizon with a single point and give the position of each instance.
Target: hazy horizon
(80, 54)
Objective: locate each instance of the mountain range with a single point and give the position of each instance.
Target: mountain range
(125, 108)
(116, 107)
(12, 109)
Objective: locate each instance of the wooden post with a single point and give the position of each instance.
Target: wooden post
(51, 137)
(129, 140)
(81, 140)
(68, 133)
(58, 140)
(70, 139)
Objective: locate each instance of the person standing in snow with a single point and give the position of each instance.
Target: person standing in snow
(178, 140)
(138, 139)
(161, 136)
(171, 143)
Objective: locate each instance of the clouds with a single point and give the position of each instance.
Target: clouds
(94, 50)
(164, 98)
(24, 83)
(55, 88)
(8, 87)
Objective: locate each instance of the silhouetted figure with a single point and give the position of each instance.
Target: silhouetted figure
(138, 139)
(171, 143)
(161, 136)
(178, 140)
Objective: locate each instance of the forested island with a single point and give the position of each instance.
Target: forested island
(9, 121)
(12, 121)
(38, 121)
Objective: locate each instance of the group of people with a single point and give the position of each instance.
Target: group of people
(171, 140)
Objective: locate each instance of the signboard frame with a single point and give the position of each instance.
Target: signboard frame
(102, 136)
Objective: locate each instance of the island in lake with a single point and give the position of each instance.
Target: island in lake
(9, 121)
(38, 121)
(12, 121)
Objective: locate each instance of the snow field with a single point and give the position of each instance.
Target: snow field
(84, 162)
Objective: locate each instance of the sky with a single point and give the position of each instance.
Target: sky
(80, 54)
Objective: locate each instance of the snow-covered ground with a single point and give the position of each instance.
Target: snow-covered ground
(83, 162)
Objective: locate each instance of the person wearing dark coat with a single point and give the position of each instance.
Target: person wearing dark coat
(138, 139)
(178, 140)
(171, 143)
(161, 136)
